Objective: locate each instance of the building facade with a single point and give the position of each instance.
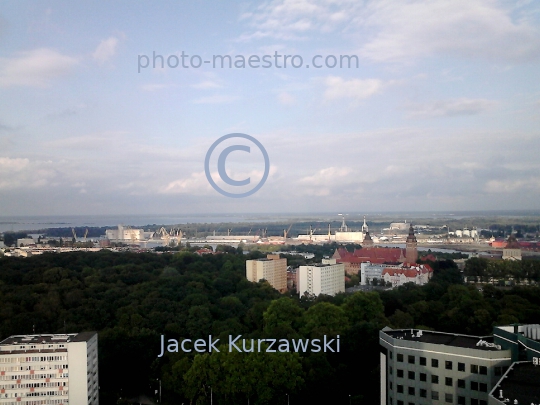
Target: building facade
(325, 278)
(272, 269)
(57, 369)
(426, 367)
(418, 274)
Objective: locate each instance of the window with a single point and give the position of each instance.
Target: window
(391, 355)
(461, 367)
(411, 375)
(498, 371)
(423, 393)
(474, 386)
(474, 369)
(400, 358)
(434, 395)
(423, 377)
(434, 363)
(390, 384)
(483, 370)
(483, 387)
(434, 379)
(399, 402)
(461, 400)
(400, 388)
(482, 402)
(474, 401)
(411, 360)
(449, 398)
(390, 370)
(411, 391)
(423, 361)
(461, 383)
(448, 381)
(400, 373)
(448, 365)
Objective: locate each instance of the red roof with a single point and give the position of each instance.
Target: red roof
(378, 255)
(410, 271)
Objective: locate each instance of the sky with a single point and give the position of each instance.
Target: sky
(439, 110)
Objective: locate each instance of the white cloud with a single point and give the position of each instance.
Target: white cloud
(467, 28)
(106, 50)
(207, 84)
(390, 31)
(36, 68)
(512, 186)
(195, 184)
(154, 87)
(21, 173)
(215, 99)
(286, 98)
(358, 89)
(453, 107)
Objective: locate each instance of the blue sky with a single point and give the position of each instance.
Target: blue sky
(442, 113)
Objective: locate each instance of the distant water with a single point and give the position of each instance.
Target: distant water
(28, 223)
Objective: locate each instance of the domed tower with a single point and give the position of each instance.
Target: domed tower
(367, 242)
(411, 247)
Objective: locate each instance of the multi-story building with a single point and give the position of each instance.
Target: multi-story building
(272, 269)
(324, 278)
(426, 367)
(519, 385)
(57, 369)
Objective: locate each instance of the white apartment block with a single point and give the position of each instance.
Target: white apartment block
(272, 269)
(325, 278)
(59, 369)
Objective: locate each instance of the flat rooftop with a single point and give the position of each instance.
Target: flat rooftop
(520, 383)
(442, 338)
(47, 338)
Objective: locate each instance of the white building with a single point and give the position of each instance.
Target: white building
(272, 269)
(370, 271)
(25, 242)
(418, 274)
(324, 278)
(123, 234)
(49, 369)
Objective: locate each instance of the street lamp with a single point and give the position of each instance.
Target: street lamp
(157, 379)
(349, 399)
(287, 399)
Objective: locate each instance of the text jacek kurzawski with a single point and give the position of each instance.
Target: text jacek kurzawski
(251, 345)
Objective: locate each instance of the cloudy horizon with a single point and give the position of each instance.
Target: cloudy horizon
(441, 114)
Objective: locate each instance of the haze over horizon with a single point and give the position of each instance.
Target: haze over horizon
(441, 115)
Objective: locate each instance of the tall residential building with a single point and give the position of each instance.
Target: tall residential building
(59, 369)
(272, 269)
(325, 278)
(426, 367)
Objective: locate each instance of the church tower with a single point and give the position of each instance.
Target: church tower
(411, 250)
(367, 242)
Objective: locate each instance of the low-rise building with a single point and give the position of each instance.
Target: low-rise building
(58, 369)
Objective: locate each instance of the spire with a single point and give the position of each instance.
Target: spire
(365, 228)
(411, 237)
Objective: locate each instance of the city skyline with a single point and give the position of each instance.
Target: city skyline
(441, 113)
